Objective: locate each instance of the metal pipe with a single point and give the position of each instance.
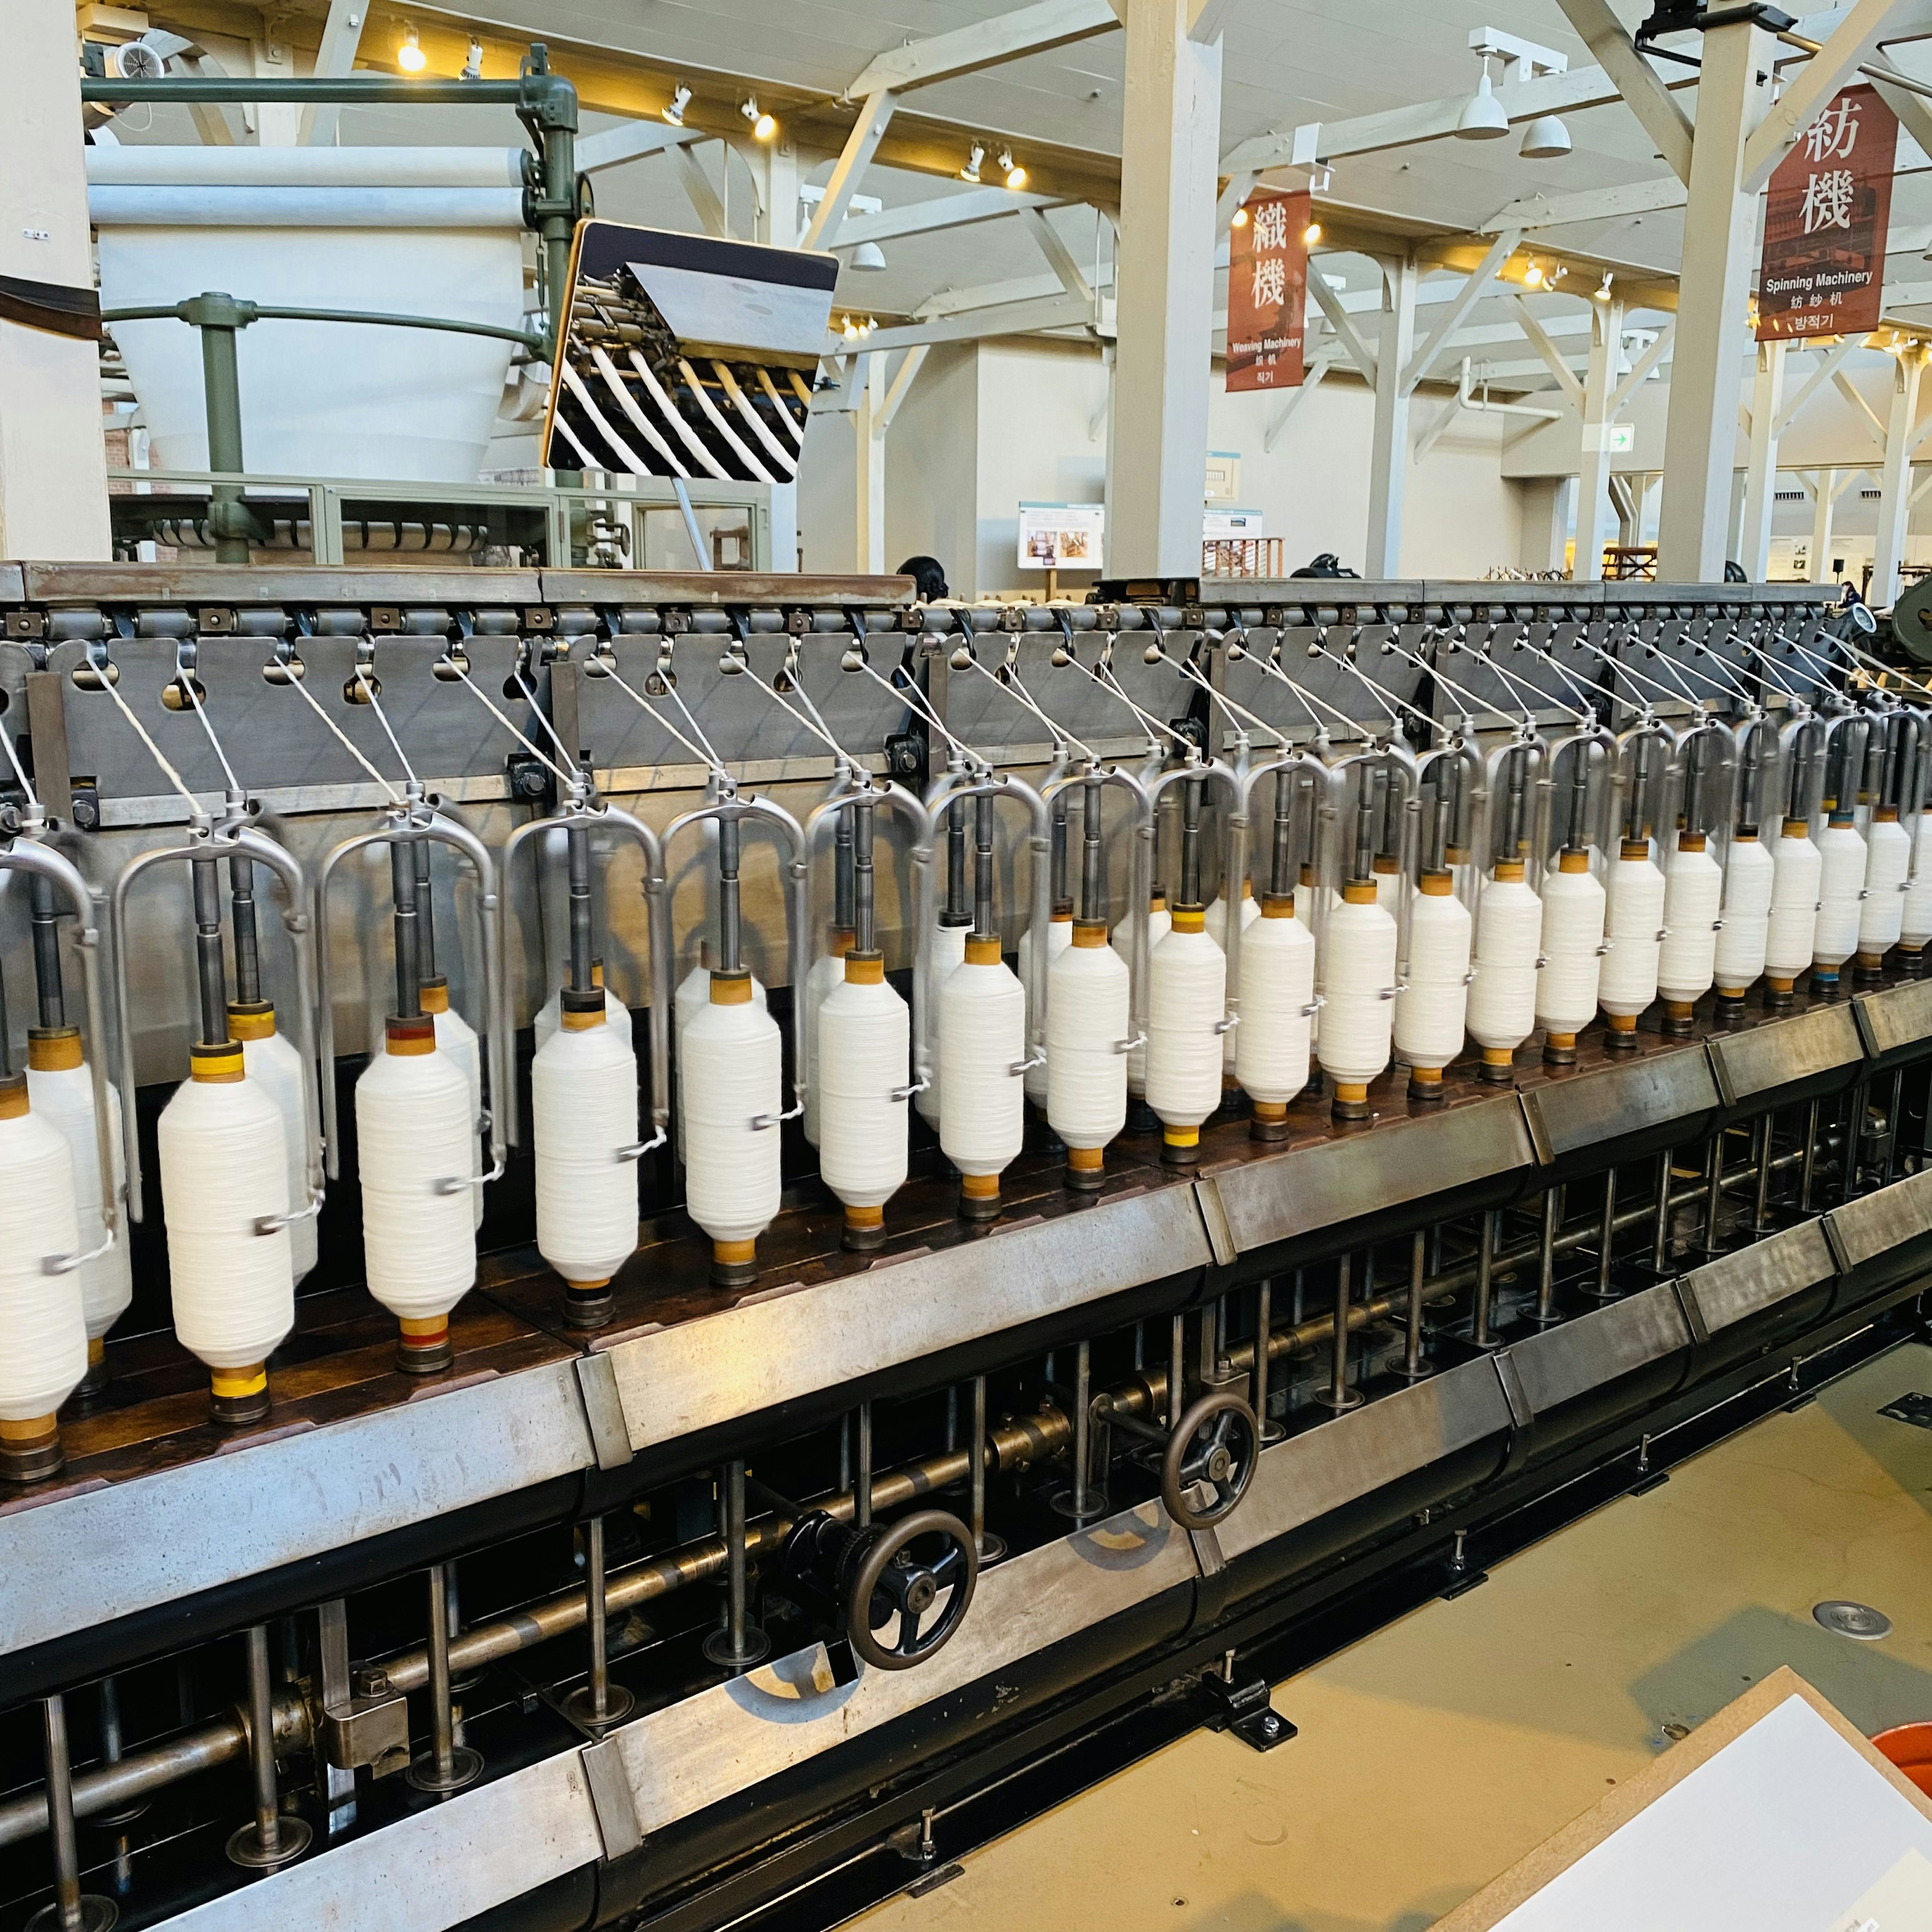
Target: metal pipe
(596, 1583)
(862, 1513)
(443, 1729)
(1093, 878)
(47, 950)
(1809, 1170)
(1082, 1429)
(247, 943)
(1339, 1395)
(211, 969)
(955, 862)
(1263, 1329)
(425, 913)
(1607, 1237)
(978, 1464)
(1545, 1269)
(983, 866)
(577, 841)
(1190, 841)
(1485, 1269)
(1714, 1190)
(730, 925)
(409, 957)
(1176, 1369)
(863, 888)
(1660, 1236)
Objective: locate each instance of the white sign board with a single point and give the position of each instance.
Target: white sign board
(1062, 536)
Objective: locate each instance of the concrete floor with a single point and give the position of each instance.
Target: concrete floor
(1435, 1754)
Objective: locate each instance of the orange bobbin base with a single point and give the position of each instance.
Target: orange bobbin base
(1271, 1120)
(1870, 966)
(1559, 1049)
(1351, 1100)
(1180, 1146)
(1086, 1169)
(423, 1347)
(1499, 1066)
(734, 1263)
(588, 1304)
(864, 1228)
(1425, 1085)
(1678, 1017)
(1620, 1031)
(979, 1193)
(1779, 992)
(239, 1396)
(30, 1451)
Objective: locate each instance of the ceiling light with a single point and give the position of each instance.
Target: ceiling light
(472, 67)
(1603, 294)
(1532, 276)
(1483, 118)
(849, 330)
(1546, 138)
(409, 57)
(970, 172)
(764, 126)
(869, 258)
(1239, 219)
(673, 110)
(1311, 235)
(1016, 175)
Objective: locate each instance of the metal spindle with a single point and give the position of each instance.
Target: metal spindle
(447, 1765)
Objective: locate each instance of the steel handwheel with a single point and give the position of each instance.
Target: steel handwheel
(1210, 1461)
(904, 1572)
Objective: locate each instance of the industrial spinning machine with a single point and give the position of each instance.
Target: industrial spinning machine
(666, 1242)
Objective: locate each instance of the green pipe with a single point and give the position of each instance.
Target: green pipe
(248, 312)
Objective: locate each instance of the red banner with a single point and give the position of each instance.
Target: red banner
(1822, 271)
(1268, 282)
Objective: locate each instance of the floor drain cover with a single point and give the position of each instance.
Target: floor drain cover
(1912, 1408)
(1857, 1620)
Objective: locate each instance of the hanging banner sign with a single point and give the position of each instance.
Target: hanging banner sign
(1268, 281)
(1822, 271)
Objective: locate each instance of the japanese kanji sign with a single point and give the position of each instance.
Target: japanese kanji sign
(1823, 268)
(1268, 277)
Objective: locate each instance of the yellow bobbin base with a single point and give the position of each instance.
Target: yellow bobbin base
(864, 1228)
(1270, 1118)
(423, 1347)
(1086, 1168)
(734, 1264)
(30, 1451)
(239, 1396)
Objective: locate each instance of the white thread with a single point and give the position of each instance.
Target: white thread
(1358, 985)
(1633, 914)
(1088, 1016)
(1271, 1044)
(982, 1038)
(43, 1324)
(1749, 877)
(1509, 935)
(584, 1109)
(1187, 998)
(1429, 1010)
(732, 1075)
(864, 1050)
(64, 1097)
(1693, 888)
(828, 972)
(949, 950)
(1798, 871)
(1888, 859)
(1916, 923)
(224, 1167)
(1160, 922)
(457, 1037)
(276, 1065)
(1059, 939)
(692, 997)
(1841, 854)
(1573, 906)
(1217, 922)
(550, 1017)
(414, 1131)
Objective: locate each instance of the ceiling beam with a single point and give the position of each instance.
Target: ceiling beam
(1640, 369)
(1552, 356)
(1345, 332)
(1636, 80)
(1456, 311)
(861, 145)
(945, 211)
(1059, 257)
(1030, 30)
(631, 141)
(1538, 210)
(971, 325)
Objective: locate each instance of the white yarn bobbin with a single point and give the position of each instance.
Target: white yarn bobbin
(415, 1134)
(1309, 898)
(1915, 929)
(1217, 930)
(224, 1170)
(1358, 995)
(1160, 922)
(456, 1037)
(734, 1077)
(1750, 875)
(1502, 997)
(62, 1093)
(1574, 907)
(1431, 1007)
(1798, 870)
(1088, 1017)
(617, 1015)
(42, 1323)
(1059, 937)
(692, 996)
(949, 950)
(584, 1112)
(865, 1055)
(1882, 915)
(982, 1037)
(1693, 890)
(1841, 881)
(1633, 933)
(1187, 999)
(826, 972)
(1273, 1040)
(274, 1065)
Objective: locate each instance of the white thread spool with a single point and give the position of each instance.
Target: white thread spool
(949, 950)
(692, 996)
(617, 1015)
(1841, 855)
(1914, 927)
(1217, 930)
(456, 1037)
(1088, 1015)
(1059, 937)
(982, 1037)
(1573, 906)
(827, 971)
(1797, 873)
(1308, 897)
(1358, 989)
(43, 1324)
(1430, 1010)
(1160, 922)
(1633, 921)
(1750, 878)
(224, 1168)
(1274, 1040)
(733, 1076)
(1882, 915)
(62, 1093)
(414, 1134)
(1187, 999)
(865, 1055)
(584, 1111)
(1693, 890)
(1502, 997)
(273, 1064)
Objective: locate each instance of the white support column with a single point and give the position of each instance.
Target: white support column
(1165, 288)
(1895, 503)
(1388, 442)
(778, 193)
(1594, 509)
(1761, 471)
(1714, 296)
(1824, 501)
(53, 464)
(869, 468)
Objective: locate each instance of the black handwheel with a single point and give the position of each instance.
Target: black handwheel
(902, 1571)
(1209, 1461)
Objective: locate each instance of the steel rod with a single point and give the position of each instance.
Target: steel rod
(1486, 1271)
(1606, 1242)
(211, 969)
(1659, 1233)
(1546, 1267)
(863, 1490)
(262, 1743)
(978, 1464)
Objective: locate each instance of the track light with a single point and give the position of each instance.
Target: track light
(1239, 219)
(764, 126)
(673, 110)
(1532, 276)
(409, 57)
(970, 172)
(1483, 118)
(1603, 293)
(1016, 175)
(849, 330)
(1545, 139)
(1311, 235)
(472, 67)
